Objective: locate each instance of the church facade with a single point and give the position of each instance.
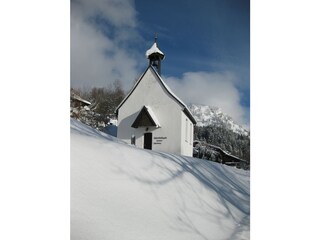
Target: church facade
(152, 117)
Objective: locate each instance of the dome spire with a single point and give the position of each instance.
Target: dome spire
(155, 56)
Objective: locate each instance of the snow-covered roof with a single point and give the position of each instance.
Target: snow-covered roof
(76, 97)
(185, 108)
(146, 113)
(223, 151)
(153, 116)
(166, 87)
(153, 49)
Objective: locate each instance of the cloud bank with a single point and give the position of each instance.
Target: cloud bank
(101, 31)
(213, 89)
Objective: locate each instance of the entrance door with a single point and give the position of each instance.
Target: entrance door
(147, 141)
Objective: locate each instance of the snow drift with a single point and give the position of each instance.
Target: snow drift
(121, 192)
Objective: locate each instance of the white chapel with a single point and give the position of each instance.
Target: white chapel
(151, 116)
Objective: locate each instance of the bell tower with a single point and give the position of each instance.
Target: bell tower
(155, 56)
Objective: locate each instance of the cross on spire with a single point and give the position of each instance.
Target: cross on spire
(155, 37)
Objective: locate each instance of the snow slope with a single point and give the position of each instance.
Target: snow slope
(122, 192)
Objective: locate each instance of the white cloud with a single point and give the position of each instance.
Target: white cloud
(96, 58)
(211, 88)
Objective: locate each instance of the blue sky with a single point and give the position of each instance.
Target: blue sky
(202, 35)
(206, 42)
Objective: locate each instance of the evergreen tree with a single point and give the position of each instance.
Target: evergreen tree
(236, 144)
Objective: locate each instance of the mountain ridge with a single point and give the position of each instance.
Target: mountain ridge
(210, 115)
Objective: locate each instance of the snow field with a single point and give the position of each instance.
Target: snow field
(122, 192)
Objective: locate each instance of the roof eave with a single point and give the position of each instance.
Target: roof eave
(189, 115)
(130, 92)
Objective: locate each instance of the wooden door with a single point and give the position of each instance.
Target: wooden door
(147, 141)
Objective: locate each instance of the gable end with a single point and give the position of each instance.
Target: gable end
(185, 109)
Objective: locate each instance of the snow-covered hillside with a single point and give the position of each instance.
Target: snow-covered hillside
(209, 115)
(122, 192)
